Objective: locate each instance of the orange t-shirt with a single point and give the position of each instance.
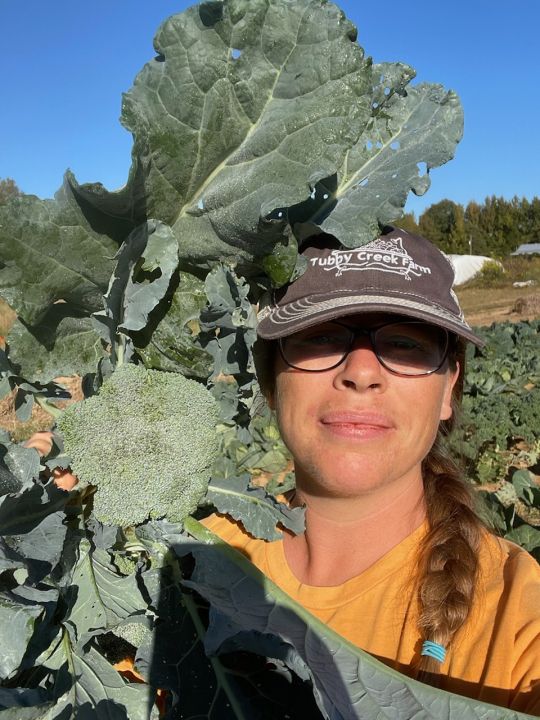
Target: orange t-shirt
(494, 658)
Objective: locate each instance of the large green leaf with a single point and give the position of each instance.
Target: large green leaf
(526, 536)
(149, 272)
(258, 119)
(58, 346)
(258, 512)
(348, 682)
(247, 105)
(104, 598)
(93, 688)
(17, 619)
(419, 125)
(39, 550)
(50, 253)
(140, 287)
(25, 704)
(142, 274)
(228, 326)
(20, 514)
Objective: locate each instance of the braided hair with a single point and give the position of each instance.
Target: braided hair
(448, 562)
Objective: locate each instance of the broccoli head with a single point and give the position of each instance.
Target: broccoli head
(147, 442)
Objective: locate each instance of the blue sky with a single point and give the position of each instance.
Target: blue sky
(66, 64)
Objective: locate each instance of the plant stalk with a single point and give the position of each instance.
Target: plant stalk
(48, 407)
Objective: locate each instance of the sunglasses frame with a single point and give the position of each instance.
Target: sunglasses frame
(369, 332)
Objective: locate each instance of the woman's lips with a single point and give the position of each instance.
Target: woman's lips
(366, 425)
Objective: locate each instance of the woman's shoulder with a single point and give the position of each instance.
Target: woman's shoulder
(509, 551)
(506, 564)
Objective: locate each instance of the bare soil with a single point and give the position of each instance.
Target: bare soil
(40, 419)
(484, 306)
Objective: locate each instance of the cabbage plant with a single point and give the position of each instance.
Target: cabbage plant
(256, 124)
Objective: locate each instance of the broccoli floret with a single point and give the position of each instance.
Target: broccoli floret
(133, 633)
(147, 442)
(125, 564)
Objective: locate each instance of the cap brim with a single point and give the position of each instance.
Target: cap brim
(278, 322)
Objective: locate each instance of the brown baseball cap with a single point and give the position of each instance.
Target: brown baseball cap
(398, 273)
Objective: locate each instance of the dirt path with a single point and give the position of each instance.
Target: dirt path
(484, 306)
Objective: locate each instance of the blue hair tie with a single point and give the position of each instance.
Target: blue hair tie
(434, 650)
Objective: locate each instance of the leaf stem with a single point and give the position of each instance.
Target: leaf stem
(67, 649)
(197, 530)
(217, 667)
(46, 405)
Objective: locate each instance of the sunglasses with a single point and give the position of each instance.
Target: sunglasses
(409, 348)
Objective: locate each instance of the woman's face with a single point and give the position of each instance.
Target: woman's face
(358, 427)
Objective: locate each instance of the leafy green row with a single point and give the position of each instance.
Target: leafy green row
(499, 429)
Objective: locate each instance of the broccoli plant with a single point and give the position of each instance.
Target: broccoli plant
(148, 435)
(257, 124)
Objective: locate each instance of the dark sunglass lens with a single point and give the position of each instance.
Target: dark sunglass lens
(411, 348)
(316, 348)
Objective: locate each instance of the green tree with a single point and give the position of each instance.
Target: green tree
(499, 221)
(495, 228)
(457, 237)
(529, 224)
(534, 213)
(8, 190)
(476, 235)
(408, 222)
(444, 224)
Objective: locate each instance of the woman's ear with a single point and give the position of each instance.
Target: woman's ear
(452, 377)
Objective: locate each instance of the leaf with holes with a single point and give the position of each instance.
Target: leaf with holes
(410, 128)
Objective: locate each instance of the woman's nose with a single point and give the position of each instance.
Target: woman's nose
(361, 368)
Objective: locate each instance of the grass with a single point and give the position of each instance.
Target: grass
(477, 301)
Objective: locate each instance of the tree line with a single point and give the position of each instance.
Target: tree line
(495, 227)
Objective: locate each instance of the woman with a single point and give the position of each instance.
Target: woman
(362, 360)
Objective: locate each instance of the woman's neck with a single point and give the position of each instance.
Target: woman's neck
(345, 536)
